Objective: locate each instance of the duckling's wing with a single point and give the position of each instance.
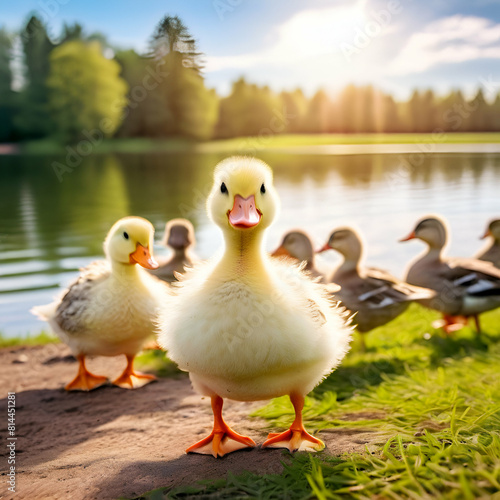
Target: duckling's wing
(77, 297)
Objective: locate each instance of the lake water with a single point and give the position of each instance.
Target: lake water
(50, 228)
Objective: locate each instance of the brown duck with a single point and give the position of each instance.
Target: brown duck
(375, 295)
(492, 252)
(465, 287)
(297, 245)
(179, 236)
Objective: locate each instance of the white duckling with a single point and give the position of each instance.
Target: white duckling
(375, 295)
(492, 252)
(179, 236)
(249, 327)
(297, 245)
(111, 308)
(465, 287)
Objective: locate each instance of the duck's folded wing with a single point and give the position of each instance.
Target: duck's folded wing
(381, 289)
(77, 297)
(478, 278)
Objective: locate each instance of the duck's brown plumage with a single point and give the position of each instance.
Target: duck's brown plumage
(180, 237)
(492, 252)
(465, 287)
(374, 294)
(298, 246)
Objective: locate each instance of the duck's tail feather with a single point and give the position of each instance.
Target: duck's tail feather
(46, 312)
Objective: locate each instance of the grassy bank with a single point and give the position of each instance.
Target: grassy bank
(436, 400)
(40, 339)
(242, 144)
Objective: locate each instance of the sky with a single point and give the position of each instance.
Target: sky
(395, 45)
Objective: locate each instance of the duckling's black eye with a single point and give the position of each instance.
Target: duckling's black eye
(263, 189)
(223, 188)
(125, 235)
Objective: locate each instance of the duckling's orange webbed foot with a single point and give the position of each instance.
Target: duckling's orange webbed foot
(130, 379)
(84, 380)
(222, 440)
(296, 438)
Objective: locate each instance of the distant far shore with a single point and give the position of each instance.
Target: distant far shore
(290, 143)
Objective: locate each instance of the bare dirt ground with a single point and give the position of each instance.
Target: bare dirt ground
(113, 443)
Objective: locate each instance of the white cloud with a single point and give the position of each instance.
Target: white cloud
(453, 39)
(308, 35)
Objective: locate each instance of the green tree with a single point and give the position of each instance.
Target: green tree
(479, 119)
(86, 91)
(250, 110)
(495, 114)
(191, 108)
(429, 112)
(347, 109)
(7, 96)
(415, 112)
(172, 36)
(389, 120)
(34, 119)
(147, 114)
(365, 110)
(295, 106)
(72, 32)
(453, 112)
(317, 120)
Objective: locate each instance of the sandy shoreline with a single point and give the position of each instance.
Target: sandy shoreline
(114, 443)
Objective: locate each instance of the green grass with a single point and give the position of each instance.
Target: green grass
(250, 144)
(287, 141)
(39, 339)
(155, 361)
(434, 402)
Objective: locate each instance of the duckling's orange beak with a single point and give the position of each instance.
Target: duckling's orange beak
(324, 248)
(280, 252)
(411, 236)
(142, 257)
(486, 234)
(244, 213)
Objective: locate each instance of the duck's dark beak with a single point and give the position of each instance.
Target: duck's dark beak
(244, 213)
(143, 257)
(411, 236)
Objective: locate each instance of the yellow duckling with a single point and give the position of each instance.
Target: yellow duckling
(249, 327)
(110, 309)
(179, 236)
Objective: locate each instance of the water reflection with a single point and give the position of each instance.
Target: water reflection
(48, 229)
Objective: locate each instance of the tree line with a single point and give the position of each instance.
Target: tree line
(79, 85)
